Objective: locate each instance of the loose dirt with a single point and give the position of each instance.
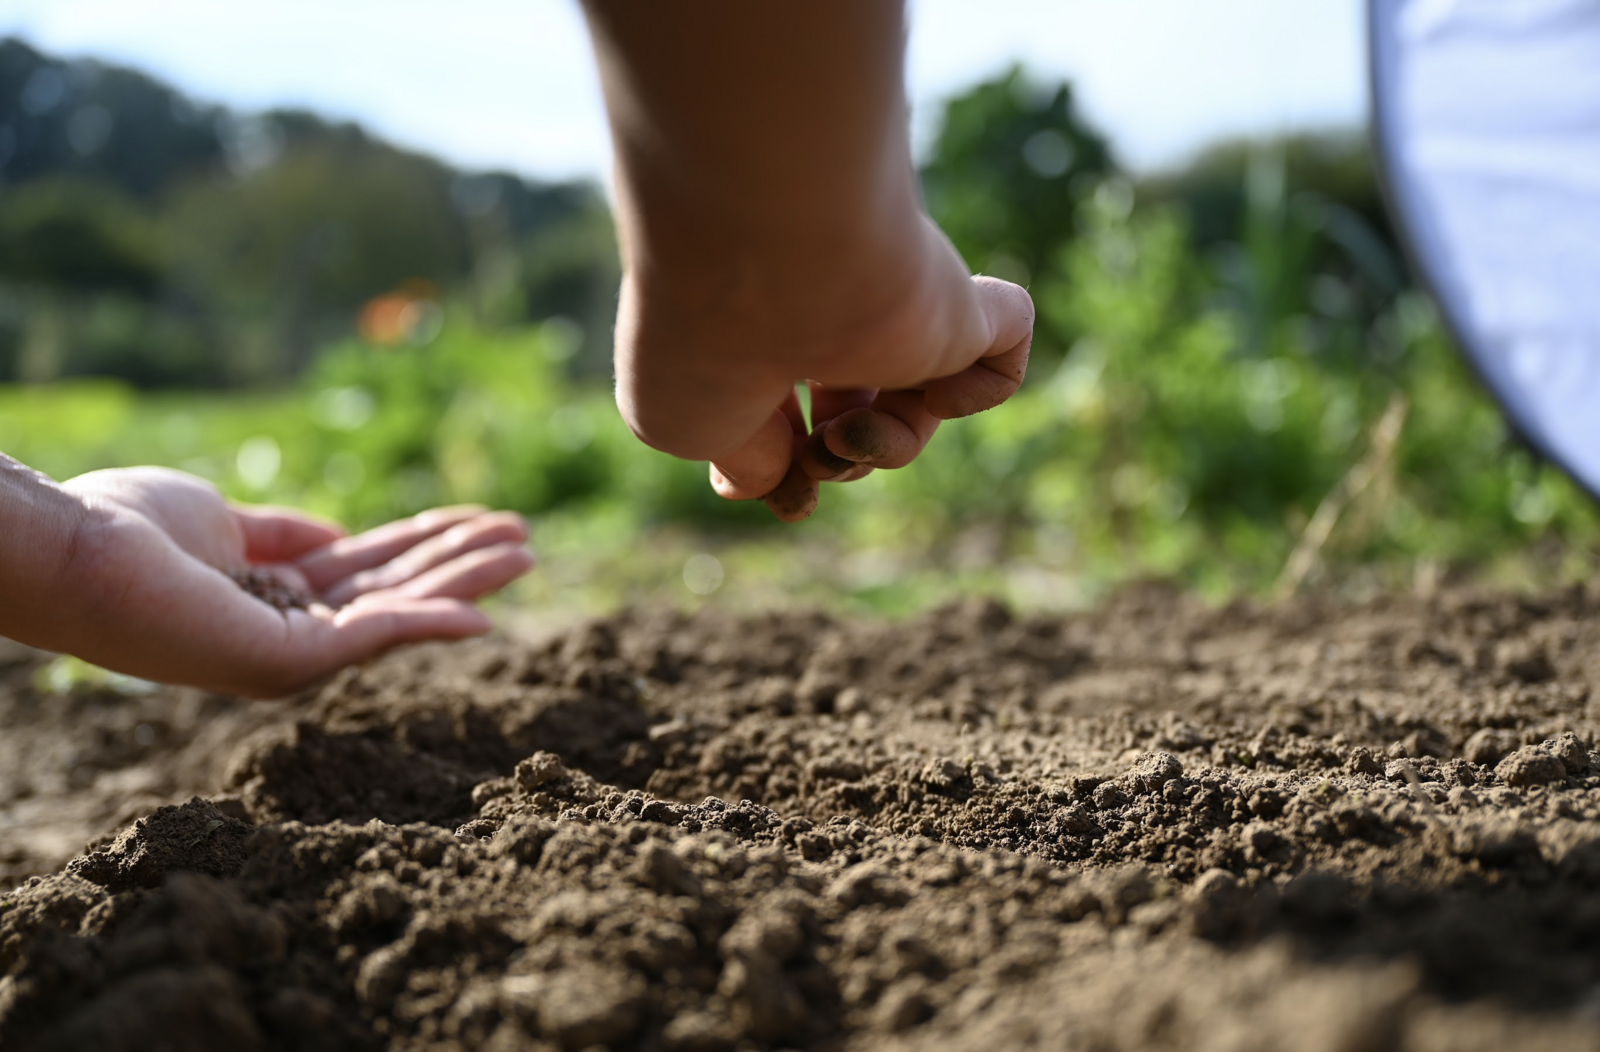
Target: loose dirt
(1310, 826)
(270, 589)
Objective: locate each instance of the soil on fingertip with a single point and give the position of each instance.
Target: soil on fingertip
(1315, 825)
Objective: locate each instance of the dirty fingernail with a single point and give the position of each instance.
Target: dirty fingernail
(822, 463)
(795, 498)
(854, 438)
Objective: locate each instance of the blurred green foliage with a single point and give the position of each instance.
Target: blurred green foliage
(1163, 444)
(371, 433)
(77, 237)
(1214, 348)
(1012, 162)
(176, 244)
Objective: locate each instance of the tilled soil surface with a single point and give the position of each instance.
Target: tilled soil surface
(1311, 826)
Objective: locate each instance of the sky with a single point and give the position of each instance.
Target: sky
(510, 83)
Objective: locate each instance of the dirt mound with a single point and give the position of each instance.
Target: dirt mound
(1160, 826)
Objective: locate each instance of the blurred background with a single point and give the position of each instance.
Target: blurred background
(360, 260)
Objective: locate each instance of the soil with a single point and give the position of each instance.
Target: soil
(267, 587)
(1314, 826)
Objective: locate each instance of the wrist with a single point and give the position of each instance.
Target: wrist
(49, 533)
(836, 309)
(804, 293)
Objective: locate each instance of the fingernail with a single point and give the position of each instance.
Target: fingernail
(859, 437)
(794, 499)
(822, 464)
(830, 461)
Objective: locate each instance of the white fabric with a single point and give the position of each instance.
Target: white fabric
(1490, 116)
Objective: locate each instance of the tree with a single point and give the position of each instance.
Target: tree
(1295, 227)
(292, 249)
(77, 236)
(1012, 161)
(99, 123)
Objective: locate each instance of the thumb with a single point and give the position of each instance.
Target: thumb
(324, 642)
(278, 535)
(756, 468)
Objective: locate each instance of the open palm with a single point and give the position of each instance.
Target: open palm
(162, 551)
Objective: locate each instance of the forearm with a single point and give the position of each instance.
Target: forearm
(777, 129)
(764, 182)
(41, 528)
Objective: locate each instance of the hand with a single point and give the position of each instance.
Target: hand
(151, 575)
(915, 340)
(957, 347)
(775, 234)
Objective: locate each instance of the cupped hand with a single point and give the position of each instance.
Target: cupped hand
(161, 552)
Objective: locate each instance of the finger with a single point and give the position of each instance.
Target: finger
(481, 531)
(821, 463)
(890, 434)
(794, 498)
(857, 471)
(312, 644)
(275, 535)
(828, 401)
(471, 575)
(996, 375)
(326, 642)
(350, 555)
(755, 469)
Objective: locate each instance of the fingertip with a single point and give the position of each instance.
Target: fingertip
(495, 527)
(855, 437)
(451, 513)
(786, 508)
(520, 560)
(471, 575)
(795, 498)
(509, 560)
(891, 434)
(514, 523)
(1005, 301)
(759, 466)
(820, 462)
(999, 371)
(738, 489)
